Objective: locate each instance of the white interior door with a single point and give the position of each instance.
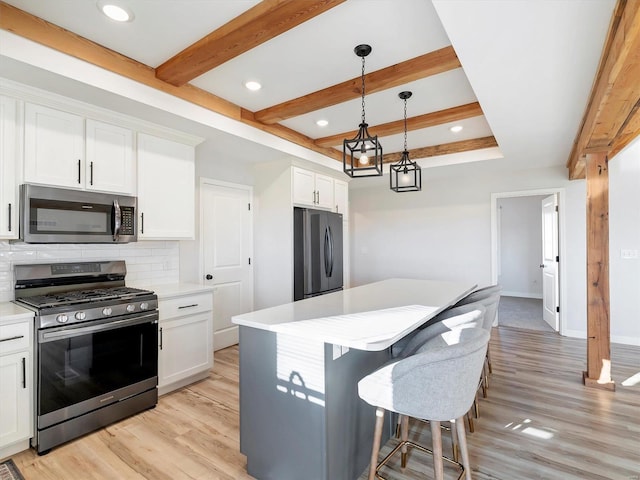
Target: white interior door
(227, 250)
(549, 265)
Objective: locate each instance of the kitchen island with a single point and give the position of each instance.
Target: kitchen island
(300, 414)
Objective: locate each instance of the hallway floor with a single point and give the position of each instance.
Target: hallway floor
(520, 312)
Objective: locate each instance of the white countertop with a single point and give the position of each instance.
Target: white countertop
(369, 317)
(10, 312)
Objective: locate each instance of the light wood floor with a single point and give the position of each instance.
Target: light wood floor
(539, 422)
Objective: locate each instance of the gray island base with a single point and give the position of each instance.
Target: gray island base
(300, 363)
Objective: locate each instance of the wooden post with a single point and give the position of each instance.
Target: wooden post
(598, 372)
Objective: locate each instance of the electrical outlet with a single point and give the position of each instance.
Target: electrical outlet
(628, 253)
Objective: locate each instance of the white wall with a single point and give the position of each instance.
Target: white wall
(520, 246)
(444, 231)
(624, 234)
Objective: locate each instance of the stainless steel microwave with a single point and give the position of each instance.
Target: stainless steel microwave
(57, 215)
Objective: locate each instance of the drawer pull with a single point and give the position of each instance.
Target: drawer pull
(8, 339)
(160, 338)
(24, 372)
(188, 306)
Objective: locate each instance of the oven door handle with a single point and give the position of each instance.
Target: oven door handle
(70, 332)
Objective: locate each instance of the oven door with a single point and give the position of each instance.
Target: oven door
(86, 367)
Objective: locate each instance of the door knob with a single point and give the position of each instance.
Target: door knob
(542, 265)
(209, 276)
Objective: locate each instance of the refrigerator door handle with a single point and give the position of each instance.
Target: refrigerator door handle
(329, 243)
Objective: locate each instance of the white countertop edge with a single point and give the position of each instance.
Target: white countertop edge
(169, 290)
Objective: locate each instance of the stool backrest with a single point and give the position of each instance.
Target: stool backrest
(471, 315)
(440, 380)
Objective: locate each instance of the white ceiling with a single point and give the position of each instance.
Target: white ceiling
(529, 63)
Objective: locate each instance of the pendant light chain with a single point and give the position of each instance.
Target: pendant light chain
(363, 120)
(405, 124)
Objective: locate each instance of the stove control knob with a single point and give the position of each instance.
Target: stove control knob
(131, 308)
(144, 306)
(80, 316)
(62, 318)
(107, 311)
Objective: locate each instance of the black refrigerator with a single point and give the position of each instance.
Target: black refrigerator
(317, 252)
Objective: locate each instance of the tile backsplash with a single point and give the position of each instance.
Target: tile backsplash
(148, 263)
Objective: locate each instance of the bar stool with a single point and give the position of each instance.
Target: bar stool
(437, 383)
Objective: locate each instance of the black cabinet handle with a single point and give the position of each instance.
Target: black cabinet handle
(8, 339)
(91, 173)
(9, 217)
(24, 372)
(160, 338)
(142, 222)
(188, 306)
(78, 171)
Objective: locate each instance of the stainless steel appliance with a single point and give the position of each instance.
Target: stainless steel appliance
(58, 215)
(96, 347)
(317, 252)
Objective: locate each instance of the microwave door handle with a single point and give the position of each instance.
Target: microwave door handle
(117, 216)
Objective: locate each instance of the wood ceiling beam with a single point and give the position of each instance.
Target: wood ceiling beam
(427, 120)
(423, 66)
(266, 20)
(33, 28)
(444, 149)
(612, 117)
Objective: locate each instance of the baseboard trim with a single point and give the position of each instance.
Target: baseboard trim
(621, 339)
(520, 294)
(225, 338)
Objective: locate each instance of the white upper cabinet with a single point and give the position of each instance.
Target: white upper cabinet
(303, 183)
(55, 144)
(166, 189)
(9, 162)
(341, 198)
(311, 189)
(110, 165)
(324, 191)
(53, 147)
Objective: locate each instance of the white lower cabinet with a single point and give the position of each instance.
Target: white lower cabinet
(185, 339)
(15, 386)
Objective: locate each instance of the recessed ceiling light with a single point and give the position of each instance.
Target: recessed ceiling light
(456, 128)
(322, 123)
(115, 12)
(253, 85)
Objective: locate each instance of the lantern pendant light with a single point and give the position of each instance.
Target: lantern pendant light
(362, 155)
(405, 176)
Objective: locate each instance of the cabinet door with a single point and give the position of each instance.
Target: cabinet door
(110, 165)
(341, 198)
(303, 186)
(166, 189)
(324, 191)
(53, 147)
(15, 398)
(186, 347)
(8, 168)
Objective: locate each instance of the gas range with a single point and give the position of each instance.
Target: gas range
(95, 347)
(59, 293)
